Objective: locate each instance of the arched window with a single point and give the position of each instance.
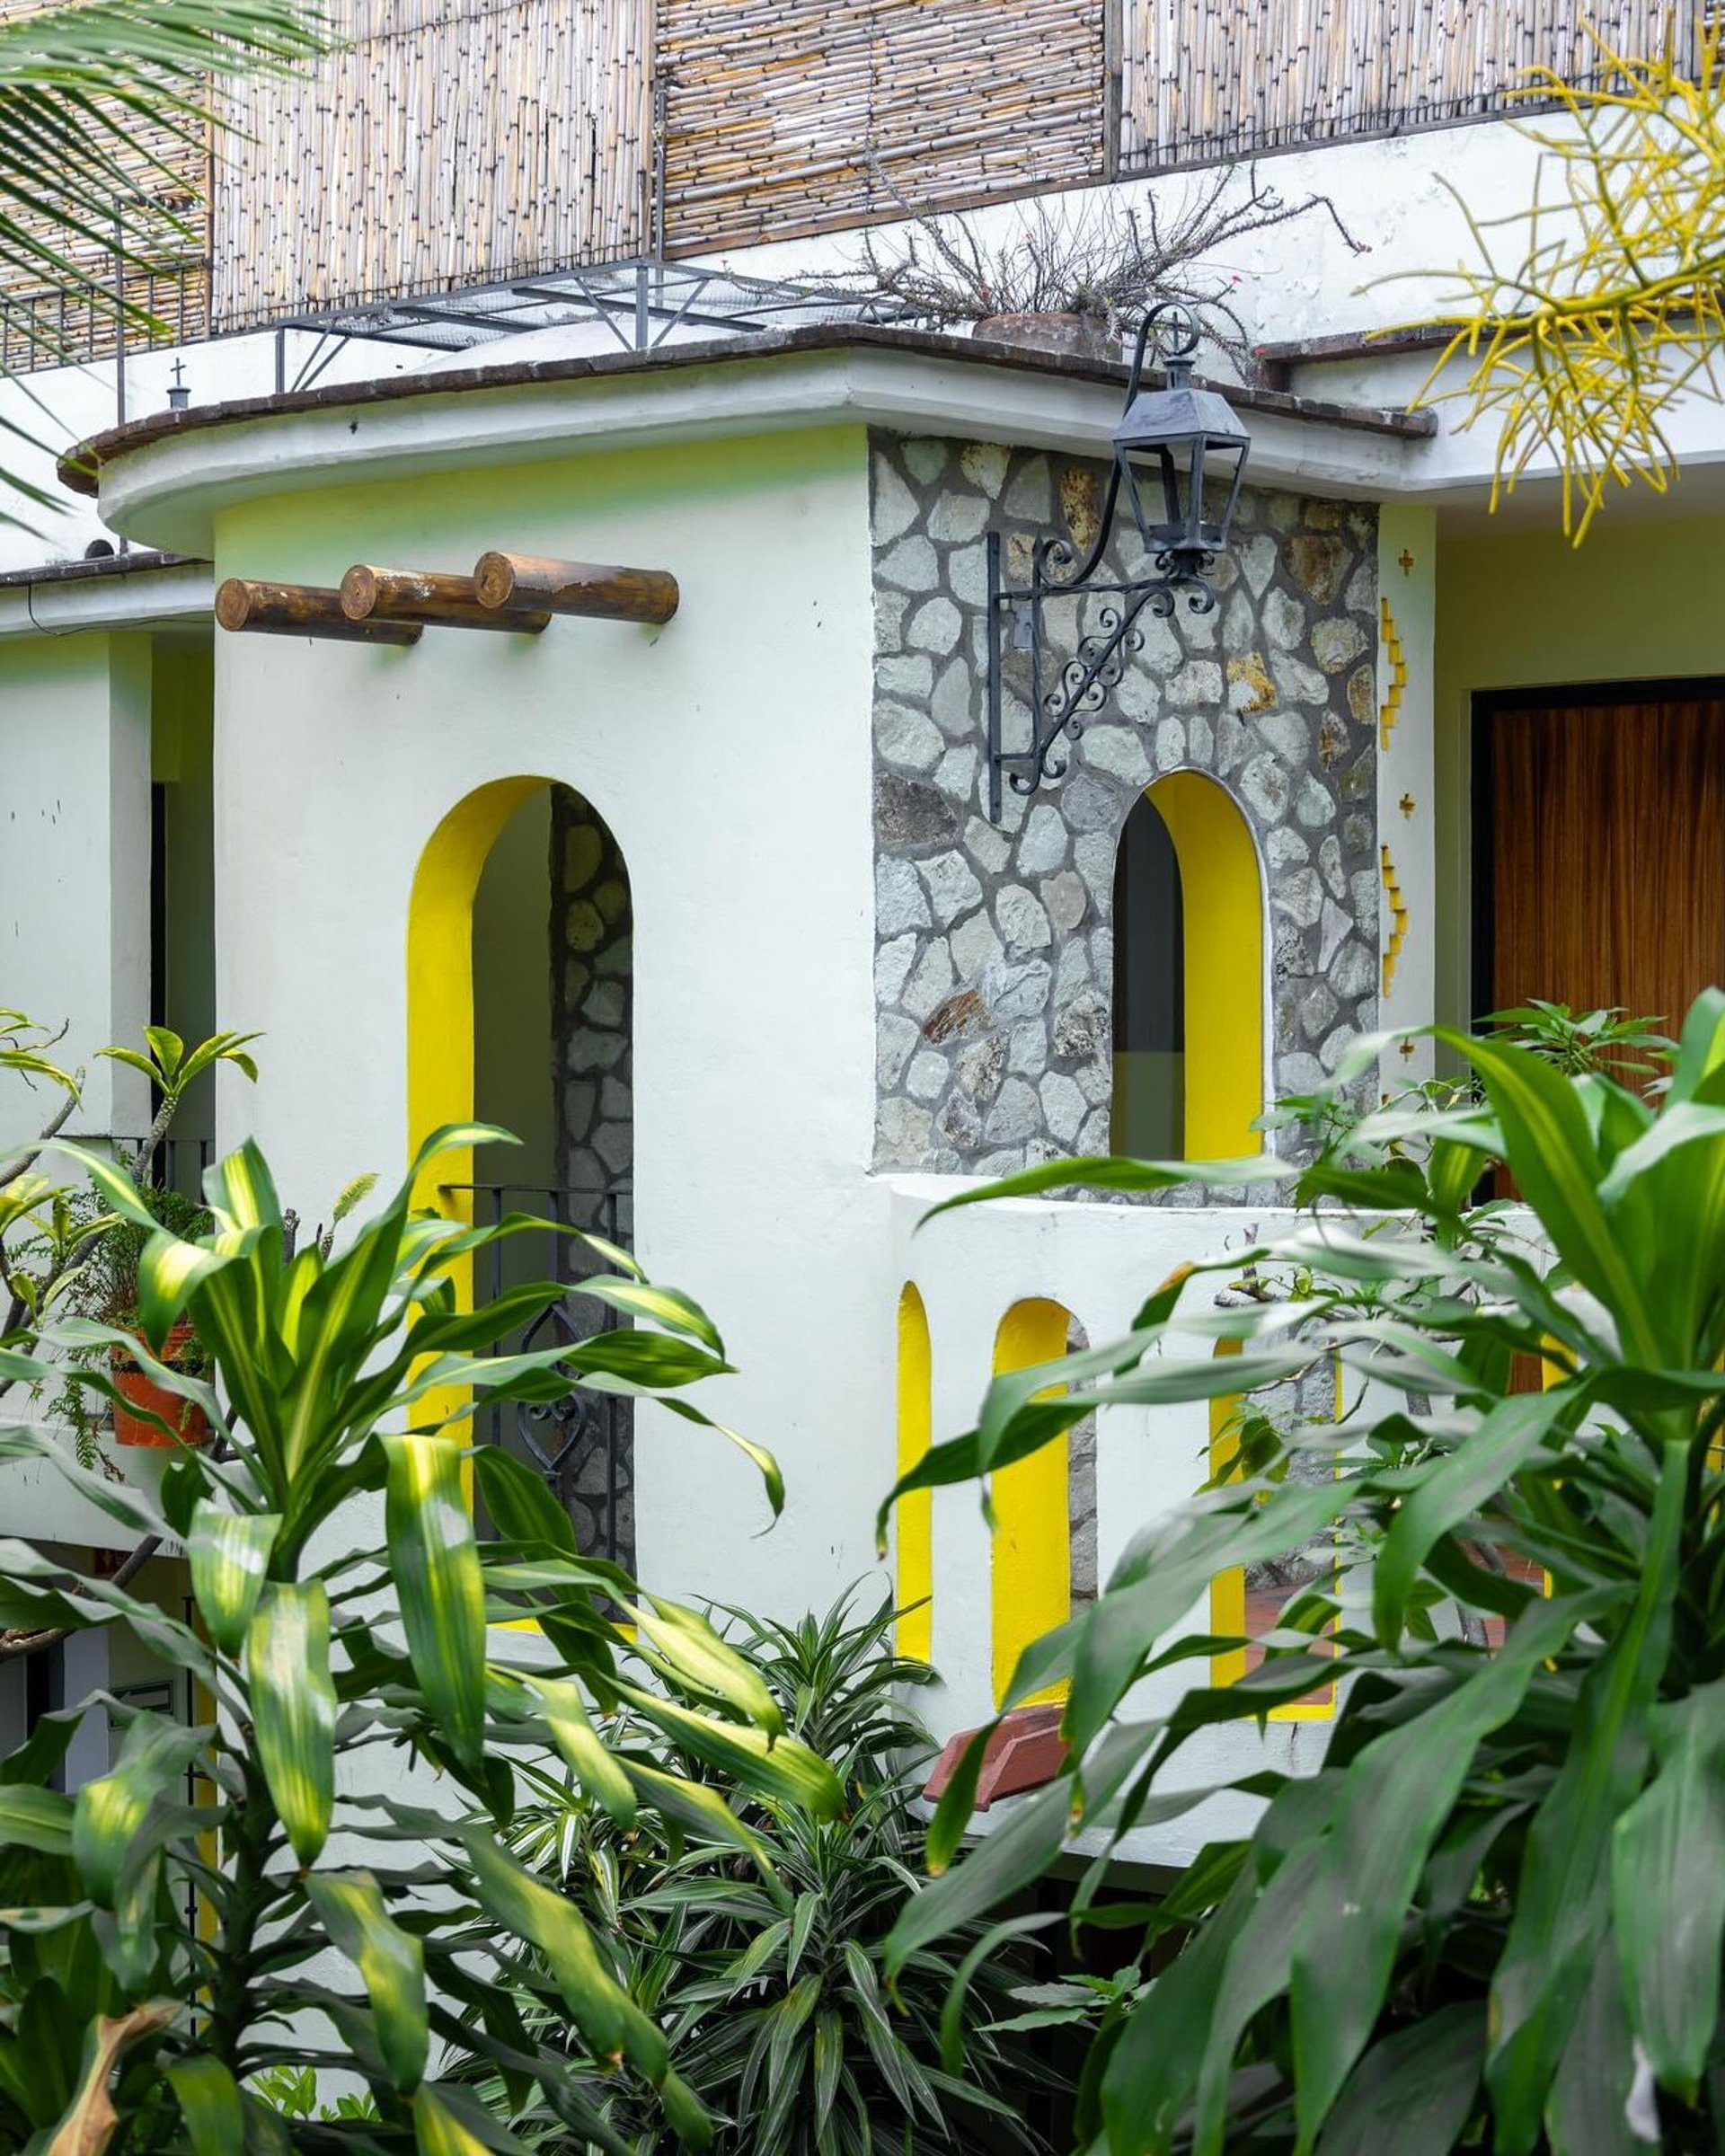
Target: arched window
(1188, 976)
(913, 1516)
(1045, 1505)
(519, 968)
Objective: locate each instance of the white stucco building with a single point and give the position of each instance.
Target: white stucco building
(714, 912)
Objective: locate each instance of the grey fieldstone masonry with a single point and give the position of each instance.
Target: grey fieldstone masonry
(592, 1013)
(994, 957)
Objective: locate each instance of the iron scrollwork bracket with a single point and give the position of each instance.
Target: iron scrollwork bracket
(1068, 692)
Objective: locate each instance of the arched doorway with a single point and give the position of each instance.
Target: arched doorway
(520, 972)
(1188, 976)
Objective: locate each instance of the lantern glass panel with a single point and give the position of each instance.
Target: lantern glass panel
(1183, 494)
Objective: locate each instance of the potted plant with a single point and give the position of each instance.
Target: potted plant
(104, 1291)
(64, 1258)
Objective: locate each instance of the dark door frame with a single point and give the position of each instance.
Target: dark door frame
(1488, 705)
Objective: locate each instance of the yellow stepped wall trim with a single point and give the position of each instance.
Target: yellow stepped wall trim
(1030, 1590)
(1223, 915)
(913, 1530)
(1390, 710)
(1398, 920)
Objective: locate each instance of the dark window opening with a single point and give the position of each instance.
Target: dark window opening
(1149, 1116)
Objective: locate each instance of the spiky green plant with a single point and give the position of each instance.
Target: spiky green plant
(770, 1983)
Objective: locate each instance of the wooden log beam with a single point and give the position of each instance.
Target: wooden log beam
(433, 597)
(596, 588)
(300, 610)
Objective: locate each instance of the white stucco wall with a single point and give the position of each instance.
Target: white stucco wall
(75, 864)
(729, 755)
(1100, 1260)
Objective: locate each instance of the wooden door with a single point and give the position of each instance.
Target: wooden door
(1600, 848)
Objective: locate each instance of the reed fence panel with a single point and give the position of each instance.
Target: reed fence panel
(445, 143)
(1207, 79)
(784, 118)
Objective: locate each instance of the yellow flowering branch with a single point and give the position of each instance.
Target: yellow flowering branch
(1612, 309)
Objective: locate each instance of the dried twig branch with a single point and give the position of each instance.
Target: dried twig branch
(1089, 257)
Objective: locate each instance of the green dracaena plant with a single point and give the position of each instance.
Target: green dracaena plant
(1493, 1917)
(284, 1885)
(772, 1984)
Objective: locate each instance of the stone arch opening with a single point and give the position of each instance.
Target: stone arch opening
(520, 975)
(1188, 975)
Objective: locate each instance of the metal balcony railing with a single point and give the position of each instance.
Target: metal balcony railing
(584, 1444)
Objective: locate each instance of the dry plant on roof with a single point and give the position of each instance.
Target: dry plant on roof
(1085, 255)
(1592, 311)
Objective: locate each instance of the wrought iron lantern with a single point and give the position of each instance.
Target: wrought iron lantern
(1179, 457)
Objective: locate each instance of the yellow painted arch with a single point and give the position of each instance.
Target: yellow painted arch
(913, 1517)
(440, 964)
(1030, 1586)
(1229, 1589)
(440, 1005)
(1223, 908)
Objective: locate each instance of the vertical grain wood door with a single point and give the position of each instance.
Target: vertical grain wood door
(1600, 848)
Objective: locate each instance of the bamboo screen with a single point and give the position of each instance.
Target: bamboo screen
(450, 142)
(1212, 78)
(783, 117)
(41, 322)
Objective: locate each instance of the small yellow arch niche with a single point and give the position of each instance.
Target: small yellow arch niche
(1204, 1012)
(1234, 1614)
(913, 1517)
(1030, 1586)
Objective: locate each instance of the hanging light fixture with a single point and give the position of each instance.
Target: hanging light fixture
(1180, 457)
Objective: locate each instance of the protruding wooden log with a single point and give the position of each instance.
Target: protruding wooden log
(589, 587)
(432, 596)
(300, 610)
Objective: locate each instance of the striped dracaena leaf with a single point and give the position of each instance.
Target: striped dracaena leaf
(774, 1767)
(434, 1559)
(390, 1963)
(109, 1811)
(580, 1744)
(1550, 1150)
(445, 2126)
(241, 1191)
(690, 1651)
(293, 1709)
(522, 1508)
(33, 1818)
(229, 1553)
(1668, 1870)
(611, 2025)
(209, 2103)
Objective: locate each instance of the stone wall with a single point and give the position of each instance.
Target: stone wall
(592, 1015)
(994, 949)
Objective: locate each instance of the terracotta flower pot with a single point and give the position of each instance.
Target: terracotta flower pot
(1080, 335)
(142, 1393)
